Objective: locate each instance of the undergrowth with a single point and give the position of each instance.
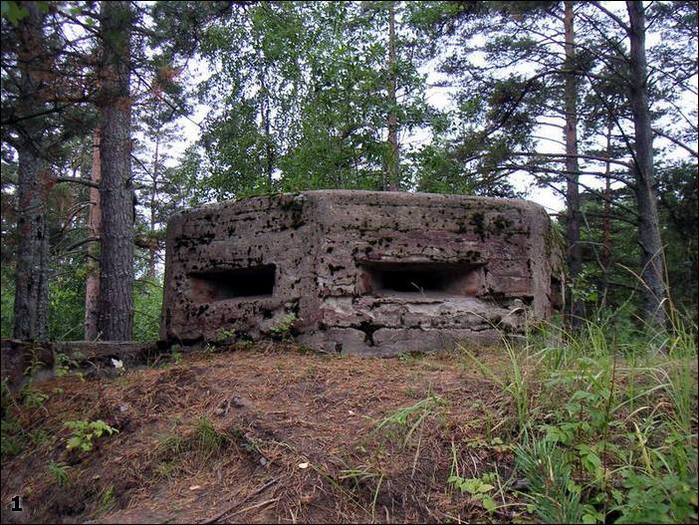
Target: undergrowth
(604, 422)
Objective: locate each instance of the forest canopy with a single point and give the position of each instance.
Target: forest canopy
(593, 101)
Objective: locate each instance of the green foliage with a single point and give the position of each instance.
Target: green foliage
(610, 435)
(32, 398)
(554, 494)
(63, 364)
(203, 442)
(67, 305)
(12, 438)
(7, 302)
(207, 439)
(85, 432)
(13, 11)
(679, 215)
(225, 334)
(59, 473)
(477, 488)
(302, 87)
(67, 302)
(656, 499)
(107, 500)
(282, 328)
(148, 300)
(172, 445)
(607, 420)
(402, 424)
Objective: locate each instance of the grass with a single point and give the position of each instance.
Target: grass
(59, 473)
(408, 420)
(178, 450)
(606, 422)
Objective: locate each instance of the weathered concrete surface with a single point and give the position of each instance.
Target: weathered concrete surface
(363, 272)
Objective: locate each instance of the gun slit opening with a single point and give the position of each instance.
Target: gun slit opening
(206, 287)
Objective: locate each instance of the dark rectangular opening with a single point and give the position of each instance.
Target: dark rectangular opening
(232, 284)
(424, 278)
(409, 280)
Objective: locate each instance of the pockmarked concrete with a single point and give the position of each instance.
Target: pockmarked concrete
(359, 272)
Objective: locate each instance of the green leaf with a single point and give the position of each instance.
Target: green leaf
(13, 11)
(73, 442)
(489, 504)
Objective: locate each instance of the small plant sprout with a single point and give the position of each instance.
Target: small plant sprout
(477, 488)
(224, 334)
(33, 398)
(282, 327)
(59, 472)
(84, 432)
(64, 363)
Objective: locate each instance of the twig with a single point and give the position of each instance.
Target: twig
(230, 508)
(255, 506)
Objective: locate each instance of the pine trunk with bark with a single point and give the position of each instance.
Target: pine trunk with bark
(153, 244)
(572, 169)
(393, 157)
(607, 212)
(94, 217)
(33, 185)
(115, 305)
(652, 260)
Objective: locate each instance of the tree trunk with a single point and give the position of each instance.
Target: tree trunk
(393, 156)
(153, 248)
(115, 306)
(92, 283)
(606, 220)
(266, 124)
(33, 185)
(652, 261)
(572, 168)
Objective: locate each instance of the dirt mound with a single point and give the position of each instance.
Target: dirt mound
(268, 434)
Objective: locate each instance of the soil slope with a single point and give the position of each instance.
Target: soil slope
(265, 434)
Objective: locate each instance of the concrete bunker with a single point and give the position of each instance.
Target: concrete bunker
(360, 272)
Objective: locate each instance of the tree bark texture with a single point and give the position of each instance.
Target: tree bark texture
(153, 249)
(652, 260)
(33, 185)
(393, 157)
(574, 256)
(92, 283)
(115, 305)
(606, 216)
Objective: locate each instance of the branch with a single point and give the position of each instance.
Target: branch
(80, 243)
(565, 156)
(676, 142)
(611, 15)
(78, 180)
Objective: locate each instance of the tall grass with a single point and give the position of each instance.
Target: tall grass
(606, 420)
